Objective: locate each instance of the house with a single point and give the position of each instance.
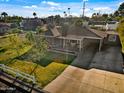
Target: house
(31, 24)
(72, 39)
(110, 25)
(110, 37)
(4, 27)
(101, 24)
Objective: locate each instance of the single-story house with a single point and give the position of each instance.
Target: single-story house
(31, 24)
(4, 27)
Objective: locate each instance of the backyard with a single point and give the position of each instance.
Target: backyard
(14, 52)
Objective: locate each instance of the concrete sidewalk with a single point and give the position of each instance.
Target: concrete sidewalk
(76, 80)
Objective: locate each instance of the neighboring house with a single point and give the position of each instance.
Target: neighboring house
(31, 23)
(4, 27)
(111, 25)
(101, 24)
(110, 37)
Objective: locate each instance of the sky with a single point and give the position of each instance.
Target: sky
(45, 8)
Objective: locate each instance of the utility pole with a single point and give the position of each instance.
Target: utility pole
(84, 9)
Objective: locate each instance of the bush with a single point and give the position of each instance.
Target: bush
(120, 29)
(79, 22)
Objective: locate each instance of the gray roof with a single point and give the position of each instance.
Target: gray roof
(80, 31)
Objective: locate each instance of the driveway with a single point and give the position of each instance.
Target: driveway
(108, 59)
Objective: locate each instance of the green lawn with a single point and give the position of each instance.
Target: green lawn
(9, 50)
(56, 57)
(50, 66)
(51, 57)
(44, 75)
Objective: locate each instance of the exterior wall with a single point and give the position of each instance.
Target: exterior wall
(111, 26)
(4, 29)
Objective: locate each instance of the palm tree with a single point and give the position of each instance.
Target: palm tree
(4, 15)
(34, 14)
(65, 14)
(69, 11)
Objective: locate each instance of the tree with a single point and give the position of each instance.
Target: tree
(65, 14)
(120, 30)
(79, 22)
(4, 16)
(14, 30)
(116, 13)
(39, 46)
(69, 11)
(30, 37)
(40, 30)
(34, 14)
(93, 15)
(120, 11)
(121, 7)
(105, 16)
(57, 19)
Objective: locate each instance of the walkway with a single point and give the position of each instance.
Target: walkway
(76, 80)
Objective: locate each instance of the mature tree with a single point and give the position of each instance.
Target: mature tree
(116, 13)
(120, 11)
(120, 30)
(93, 15)
(105, 15)
(121, 7)
(57, 19)
(14, 30)
(4, 16)
(79, 22)
(40, 30)
(69, 11)
(65, 14)
(39, 46)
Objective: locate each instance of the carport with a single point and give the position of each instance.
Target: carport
(80, 40)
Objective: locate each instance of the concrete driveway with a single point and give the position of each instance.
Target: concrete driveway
(76, 80)
(109, 59)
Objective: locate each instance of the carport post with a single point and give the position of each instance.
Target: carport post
(80, 45)
(100, 45)
(63, 42)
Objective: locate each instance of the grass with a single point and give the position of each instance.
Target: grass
(52, 57)
(50, 66)
(44, 75)
(9, 50)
